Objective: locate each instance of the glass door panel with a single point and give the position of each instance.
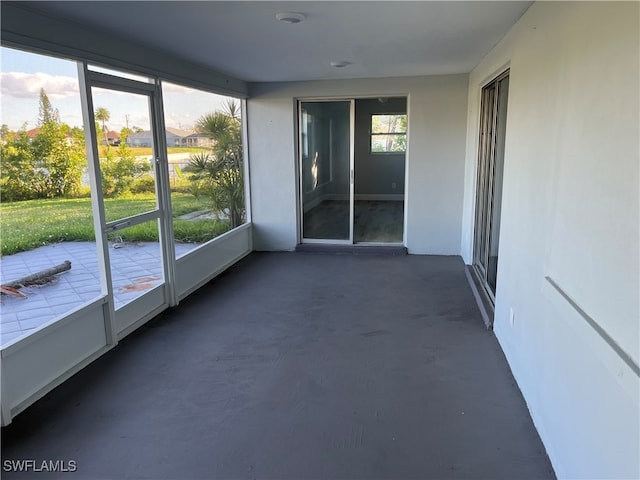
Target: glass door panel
(326, 170)
(489, 187)
(126, 152)
(484, 167)
(498, 169)
(379, 169)
(135, 262)
(129, 179)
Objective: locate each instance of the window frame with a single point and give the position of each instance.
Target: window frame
(373, 134)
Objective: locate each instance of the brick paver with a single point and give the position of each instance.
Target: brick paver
(135, 268)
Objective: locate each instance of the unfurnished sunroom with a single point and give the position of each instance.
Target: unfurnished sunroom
(504, 135)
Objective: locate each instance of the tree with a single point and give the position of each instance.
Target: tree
(103, 115)
(220, 169)
(46, 112)
(59, 159)
(4, 132)
(48, 165)
(17, 168)
(125, 132)
(45, 166)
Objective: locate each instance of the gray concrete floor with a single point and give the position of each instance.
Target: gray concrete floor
(298, 366)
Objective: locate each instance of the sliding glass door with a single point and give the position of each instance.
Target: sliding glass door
(352, 158)
(493, 120)
(326, 170)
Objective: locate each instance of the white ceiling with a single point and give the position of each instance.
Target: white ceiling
(243, 39)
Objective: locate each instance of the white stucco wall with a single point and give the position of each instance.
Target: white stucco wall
(436, 154)
(570, 212)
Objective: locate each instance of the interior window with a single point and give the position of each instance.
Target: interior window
(388, 133)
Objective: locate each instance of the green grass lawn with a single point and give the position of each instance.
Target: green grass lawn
(140, 151)
(33, 223)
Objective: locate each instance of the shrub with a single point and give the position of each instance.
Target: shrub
(180, 182)
(16, 158)
(144, 184)
(47, 166)
(84, 192)
(119, 171)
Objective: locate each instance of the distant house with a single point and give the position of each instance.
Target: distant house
(175, 138)
(199, 140)
(112, 138)
(33, 133)
(140, 139)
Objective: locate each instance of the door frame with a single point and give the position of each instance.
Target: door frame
(485, 183)
(301, 238)
(298, 148)
(158, 298)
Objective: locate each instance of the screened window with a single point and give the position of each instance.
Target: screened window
(46, 217)
(388, 133)
(206, 170)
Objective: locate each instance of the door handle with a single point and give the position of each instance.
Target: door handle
(118, 226)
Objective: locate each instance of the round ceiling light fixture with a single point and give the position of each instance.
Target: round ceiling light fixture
(290, 17)
(340, 64)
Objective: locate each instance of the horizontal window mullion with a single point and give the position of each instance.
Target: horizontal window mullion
(111, 82)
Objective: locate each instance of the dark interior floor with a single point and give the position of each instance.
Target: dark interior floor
(298, 366)
(328, 220)
(373, 221)
(378, 221)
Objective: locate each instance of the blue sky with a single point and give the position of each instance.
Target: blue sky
(24, 74)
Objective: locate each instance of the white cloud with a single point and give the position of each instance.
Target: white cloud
(184, 121)
(28, 85)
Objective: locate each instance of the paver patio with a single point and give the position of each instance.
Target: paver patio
(135, 268)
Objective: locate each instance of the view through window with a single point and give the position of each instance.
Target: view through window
(388, 133)
(204, 139)
(48, 256)
(46, 221)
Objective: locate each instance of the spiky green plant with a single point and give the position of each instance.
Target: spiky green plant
(219, 171)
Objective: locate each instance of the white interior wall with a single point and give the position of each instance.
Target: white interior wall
(570, 212)
(435, 153)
